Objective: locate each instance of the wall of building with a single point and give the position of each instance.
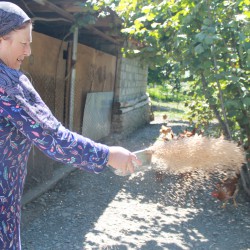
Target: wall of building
(131, 79)
(95, 72)
(46, 70)
(131, 104)
(49, 70)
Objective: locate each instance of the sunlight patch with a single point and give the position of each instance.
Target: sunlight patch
(129, 223)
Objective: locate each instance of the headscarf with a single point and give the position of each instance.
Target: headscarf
(14, 82)
(11, 17)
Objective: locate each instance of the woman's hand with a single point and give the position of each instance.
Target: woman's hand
(122, 159)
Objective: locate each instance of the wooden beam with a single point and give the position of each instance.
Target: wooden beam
(129, 103)
(101, 34)
(71, 18)
(58, 10)
(130, 108)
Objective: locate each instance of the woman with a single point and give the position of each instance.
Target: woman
(26, 120)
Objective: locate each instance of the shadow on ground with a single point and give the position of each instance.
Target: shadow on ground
(86, 211)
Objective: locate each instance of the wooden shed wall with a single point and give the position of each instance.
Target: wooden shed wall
(95, 72)
(47, 68)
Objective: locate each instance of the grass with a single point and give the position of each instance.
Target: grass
(174, 110)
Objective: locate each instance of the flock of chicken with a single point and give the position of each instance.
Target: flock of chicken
(226, 189)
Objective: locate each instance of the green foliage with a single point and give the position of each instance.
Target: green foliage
(210, 42)
(165, 74)
(199, 110)
(157, 93)
(91, 11)
(165, 93)
(205, 44)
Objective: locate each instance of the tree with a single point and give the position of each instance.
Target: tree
(207, 40)
(205, 43)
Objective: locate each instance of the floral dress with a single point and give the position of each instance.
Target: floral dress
(26, 120)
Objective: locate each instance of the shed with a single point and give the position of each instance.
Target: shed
(82, 76)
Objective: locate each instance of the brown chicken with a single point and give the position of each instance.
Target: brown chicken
(187, 133)
(227, 189)
(165, 117)
(166, 133)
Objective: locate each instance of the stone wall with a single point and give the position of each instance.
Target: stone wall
(131, 104)
(131, 79)
(125, 123)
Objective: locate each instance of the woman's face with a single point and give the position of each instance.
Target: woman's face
(15, 46)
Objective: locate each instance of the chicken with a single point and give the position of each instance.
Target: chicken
(166, 133)
(227, 189)
(187, 133)
(165, 117)
(165, 129)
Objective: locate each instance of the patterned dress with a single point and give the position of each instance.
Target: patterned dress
(26, 120)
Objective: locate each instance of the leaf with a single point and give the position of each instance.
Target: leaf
(246, 101)
(146, 9)
(209, 39)
(207, 21)
(154, 25)
(150, 17)
(136, 51)
(130, 30)
(199, 49)
(232, 104)
(200, 37)
(138, 23)
(248, 58)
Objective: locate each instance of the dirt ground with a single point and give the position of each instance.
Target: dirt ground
(141, 211)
